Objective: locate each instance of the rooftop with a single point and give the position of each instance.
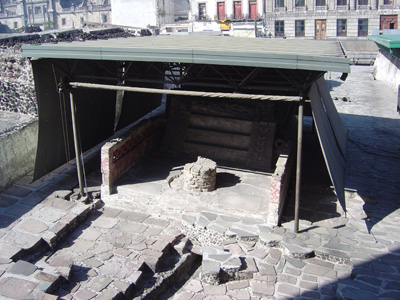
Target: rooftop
(266, 53)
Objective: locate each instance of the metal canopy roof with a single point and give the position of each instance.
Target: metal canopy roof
(265, 53)
(192, 63)
(389, 41)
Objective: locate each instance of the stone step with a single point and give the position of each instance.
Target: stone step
(220, 266)
(43, 228)
(24, 280)
(186, 264)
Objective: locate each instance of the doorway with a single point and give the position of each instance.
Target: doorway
(253, 10)
(221, 10)
(320, 29)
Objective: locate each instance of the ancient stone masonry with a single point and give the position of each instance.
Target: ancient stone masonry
(200, 176)
(17, 90)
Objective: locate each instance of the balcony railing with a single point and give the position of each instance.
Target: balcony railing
(280, 9)
(231, 17)
(300, 8)
(86, 8)
(8, 14)
(342, 7)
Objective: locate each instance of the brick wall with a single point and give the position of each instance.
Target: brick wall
(118, 155)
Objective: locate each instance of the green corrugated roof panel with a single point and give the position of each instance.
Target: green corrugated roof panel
(389, 41)
(267, 53)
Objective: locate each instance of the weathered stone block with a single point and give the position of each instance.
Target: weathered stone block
(23, 268)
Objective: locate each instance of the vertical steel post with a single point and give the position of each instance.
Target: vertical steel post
(76, 144)
(298, 165)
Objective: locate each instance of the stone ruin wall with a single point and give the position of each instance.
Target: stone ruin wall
(17, 90)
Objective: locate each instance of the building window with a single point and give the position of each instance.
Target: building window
(387, 2)
(202, 12)
(221, 10)
(44, 9)
(362, 2)
(38, 10)
(341, 2)
(320, 3)
(237, 9)
(362, 27)
(63, 21)
(299, 3)
(279, 3)
(15, 25)
(279, 28)
(341, 27)
(299, 28)
(82, 21)
(253, 10)
(104, 18)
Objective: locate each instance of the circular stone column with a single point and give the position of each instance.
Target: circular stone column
(200, 176)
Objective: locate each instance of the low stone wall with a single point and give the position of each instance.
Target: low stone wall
(118, 155)
(387, 69)
(17, 153)
(279, 185)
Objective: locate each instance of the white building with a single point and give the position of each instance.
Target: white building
(139, 13)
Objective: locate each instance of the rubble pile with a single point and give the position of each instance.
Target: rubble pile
(17, 90)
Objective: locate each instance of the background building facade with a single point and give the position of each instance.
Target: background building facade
(330, 19)
(312, 19)
(306, 19)
(53, 14)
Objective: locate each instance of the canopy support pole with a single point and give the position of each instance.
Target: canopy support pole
(77, 144)
(298, 165)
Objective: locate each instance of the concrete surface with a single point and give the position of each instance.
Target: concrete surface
(360, 52)
(10, 121)
(387, 69)
(138, 247)
(18, 144)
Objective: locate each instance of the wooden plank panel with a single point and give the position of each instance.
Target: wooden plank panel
(222, 124)
(216, 153)
(218, 138)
